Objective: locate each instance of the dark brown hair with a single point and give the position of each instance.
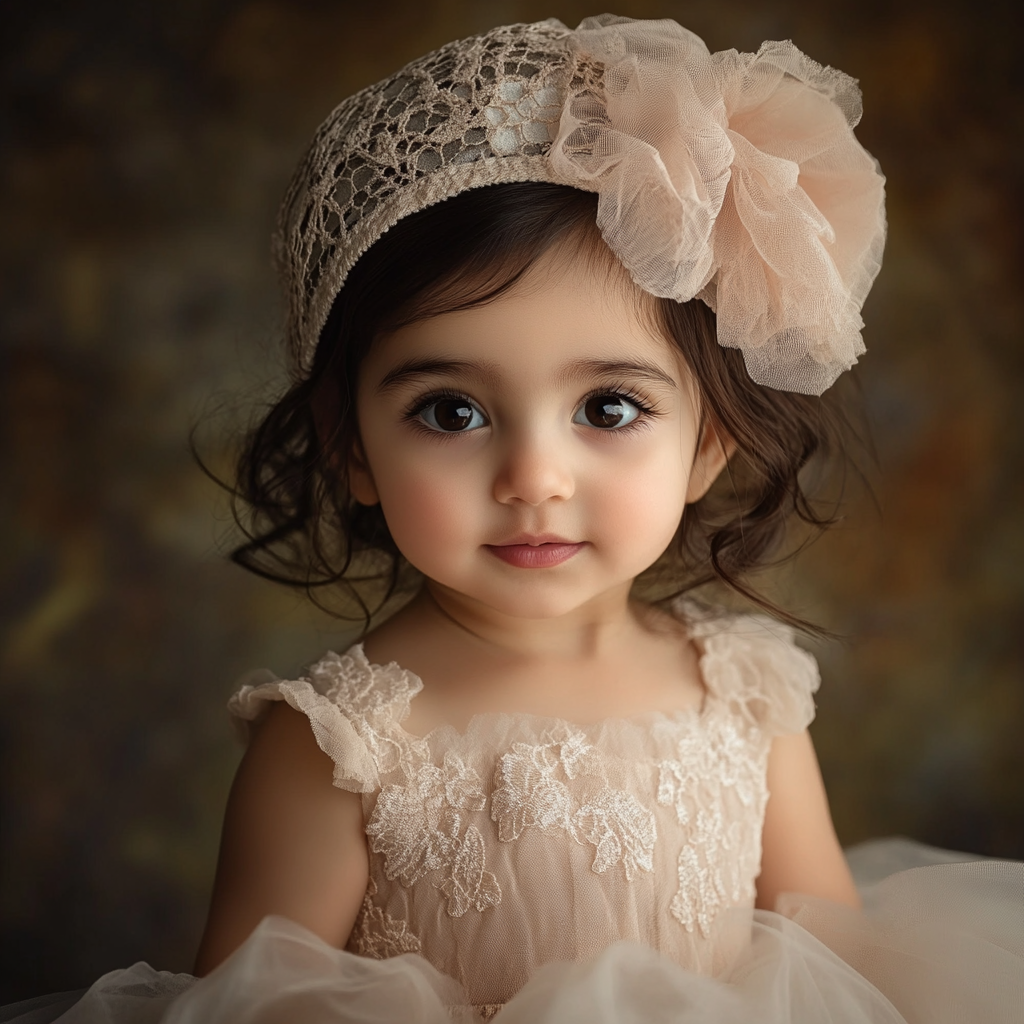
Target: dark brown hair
(302, 527)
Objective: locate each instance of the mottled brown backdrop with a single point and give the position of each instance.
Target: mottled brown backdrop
(144, 149)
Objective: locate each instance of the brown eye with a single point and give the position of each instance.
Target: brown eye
(606, 412)
(452, 415)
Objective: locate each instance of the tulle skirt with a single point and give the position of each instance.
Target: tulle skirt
(940, 939)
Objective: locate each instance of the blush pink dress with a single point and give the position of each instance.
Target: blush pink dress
(536, 871)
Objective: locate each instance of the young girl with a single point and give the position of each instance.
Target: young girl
(564, 310)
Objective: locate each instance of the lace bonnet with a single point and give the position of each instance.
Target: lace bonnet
(734, 178)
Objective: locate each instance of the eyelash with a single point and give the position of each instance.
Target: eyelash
(621, 390)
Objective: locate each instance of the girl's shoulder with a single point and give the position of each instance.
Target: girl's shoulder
(352, 707)
(753, 664)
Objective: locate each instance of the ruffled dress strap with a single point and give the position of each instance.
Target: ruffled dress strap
(751, 663)
(353, 708)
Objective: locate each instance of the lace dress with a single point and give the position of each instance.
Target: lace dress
(539, 840)
(534, 870)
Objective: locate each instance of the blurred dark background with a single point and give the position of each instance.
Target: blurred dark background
(144, 149)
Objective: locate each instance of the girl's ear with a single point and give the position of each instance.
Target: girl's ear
(360, 480)
(714, 450)
(354, 467)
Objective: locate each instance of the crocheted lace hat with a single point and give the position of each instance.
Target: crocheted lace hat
(730, 177)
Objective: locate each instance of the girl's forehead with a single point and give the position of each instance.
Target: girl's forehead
(563, 313)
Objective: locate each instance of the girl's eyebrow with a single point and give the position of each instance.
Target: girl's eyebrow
(578, 371)
(583, 369)
(411, 369)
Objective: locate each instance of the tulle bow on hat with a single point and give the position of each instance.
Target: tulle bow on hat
(733, 178)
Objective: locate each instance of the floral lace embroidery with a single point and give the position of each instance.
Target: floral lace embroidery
(418, 829)
(377, 934)
(716, 861)
(529, 794)
(373, 701)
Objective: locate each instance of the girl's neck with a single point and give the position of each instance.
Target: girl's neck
(571, 667)
(581, 634)
(443, 620)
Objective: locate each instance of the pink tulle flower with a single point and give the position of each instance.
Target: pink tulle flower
(733, 178)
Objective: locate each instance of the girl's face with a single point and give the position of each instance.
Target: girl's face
(534, 454)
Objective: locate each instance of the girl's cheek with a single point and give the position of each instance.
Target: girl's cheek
(424, 508)
(647, 515)
(647, 490)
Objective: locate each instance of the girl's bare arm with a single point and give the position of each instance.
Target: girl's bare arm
(800, 850)
(293, 844)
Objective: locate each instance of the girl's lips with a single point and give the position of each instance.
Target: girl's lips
(534, 556)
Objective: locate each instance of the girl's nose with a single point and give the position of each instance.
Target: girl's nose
(533, 472)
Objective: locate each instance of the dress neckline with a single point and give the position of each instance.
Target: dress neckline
(696, 713)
